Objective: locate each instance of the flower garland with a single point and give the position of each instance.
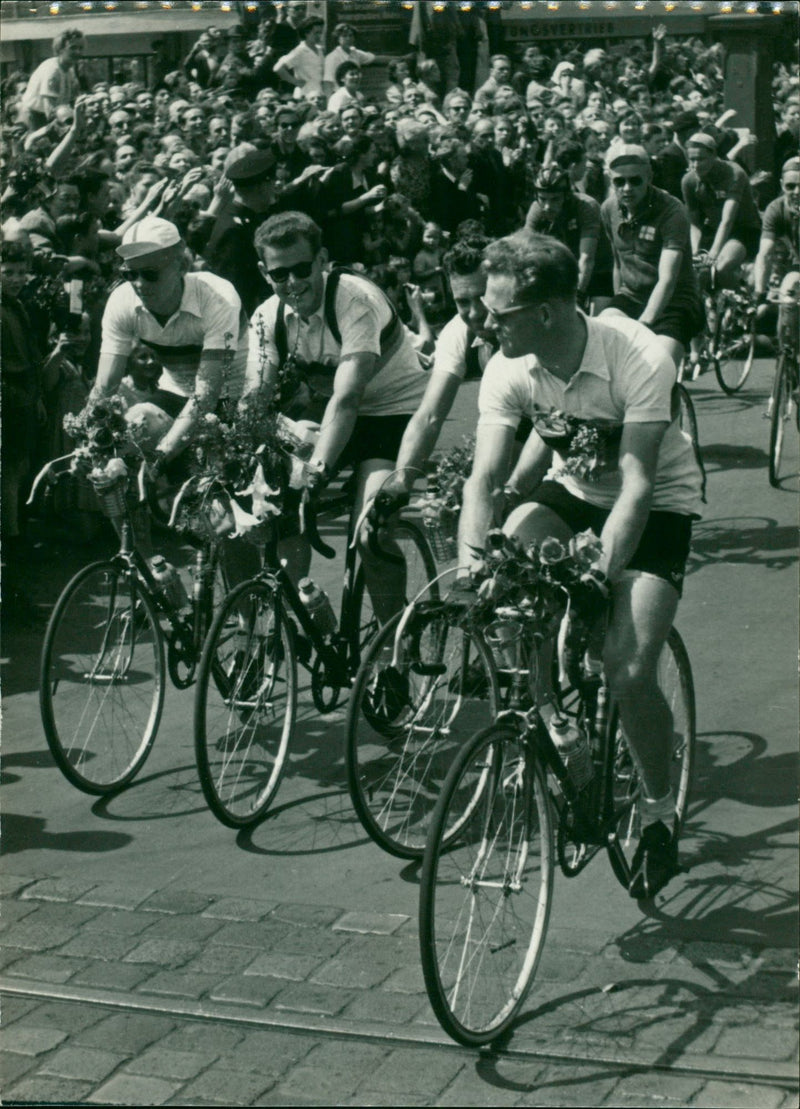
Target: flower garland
(588, 448)
(102, 440)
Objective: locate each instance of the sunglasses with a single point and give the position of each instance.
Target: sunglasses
(621, 182)
(148, 275)
(287, 124)
(282, 274)
(790, 186)
(501, 313)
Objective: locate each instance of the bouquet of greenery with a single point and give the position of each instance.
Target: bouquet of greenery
(442, 504)
(239, 471)
(533, 577)
(588, 448)
(102, 439)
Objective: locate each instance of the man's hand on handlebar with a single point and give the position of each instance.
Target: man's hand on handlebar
(388, 502)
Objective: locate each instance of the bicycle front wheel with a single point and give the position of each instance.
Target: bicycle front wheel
(101, 685)
(420, 571)
(417, 698)
(734, 351)
(245, 704)
(675, 682)
(485, 898)
(780, 417)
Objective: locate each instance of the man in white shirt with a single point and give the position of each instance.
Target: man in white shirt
(639, 492)
(364, 384)
(303, 67)
(53, 82)
(192, 322)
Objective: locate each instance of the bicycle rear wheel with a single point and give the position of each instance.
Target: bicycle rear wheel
(245, 704)
(101, 686)
(675, 682)
(780, 417)
(734, 349)
(420, 570)
(417, 698)
(485, 898)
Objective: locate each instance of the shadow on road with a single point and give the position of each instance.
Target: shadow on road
(27, 833)
(750, 539)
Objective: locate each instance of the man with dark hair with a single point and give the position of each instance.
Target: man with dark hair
(348, 80)
(303, 67)
(342, 336)
(462, 350)
(640, 497)
(53, 82)
(452, 197)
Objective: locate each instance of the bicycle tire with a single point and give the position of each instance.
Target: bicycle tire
(485, 897)
(102, 677)
(734, 351)
(243, 724)
(397, 756)
(421, 570)
(676, 682)
(779, 416)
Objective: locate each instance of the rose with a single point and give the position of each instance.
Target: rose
(586, 549)
(102, 438)
(116, 468)
(552, 551)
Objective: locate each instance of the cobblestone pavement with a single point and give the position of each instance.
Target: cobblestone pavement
(151, 956)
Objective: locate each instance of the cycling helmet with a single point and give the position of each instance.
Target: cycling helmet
(552, 179)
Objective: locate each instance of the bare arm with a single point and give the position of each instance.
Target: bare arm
(638, 458)
(110, 372)
(669, 268)
(352, 377)
(204, 399)
(587, 249)
(489, 471)
(729, 210)
(532, 465)
(762, 267)
(425, 425)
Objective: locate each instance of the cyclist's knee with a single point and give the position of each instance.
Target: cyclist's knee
(148, 424)
(534, 522)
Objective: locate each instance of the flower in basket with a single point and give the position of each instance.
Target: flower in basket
(100, 433)
(452, 470)
(108, 475)
(552, 551)
(586, 549)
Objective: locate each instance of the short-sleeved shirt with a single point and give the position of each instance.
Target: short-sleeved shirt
(362, 312)
(339, 55)
(578, 219)
(209, 318)
(307, 66)
(342, 99)
(637, 242)
(625, 377)
(48, 86)
(452, 354)
(705, 199)
(782, 224)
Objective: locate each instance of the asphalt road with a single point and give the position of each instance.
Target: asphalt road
(152, 956)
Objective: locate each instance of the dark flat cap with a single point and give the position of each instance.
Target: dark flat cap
(685, 121)
(251, 167)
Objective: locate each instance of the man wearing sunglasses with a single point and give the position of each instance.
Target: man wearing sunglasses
(364, 383)
(640, 497)
(192, 322)
(780, 233)
(654, 282)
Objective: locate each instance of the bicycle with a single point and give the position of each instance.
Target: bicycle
(729, 343)
(486, 891)
(426, 684)
(103, 663)
(785, 394)
(244, 725)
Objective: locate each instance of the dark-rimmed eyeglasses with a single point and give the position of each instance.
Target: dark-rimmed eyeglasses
(500, 314)
(791, 186)
(620, 182)
(150, 275)
(281, 274)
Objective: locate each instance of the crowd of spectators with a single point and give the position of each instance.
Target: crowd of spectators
(262, 119)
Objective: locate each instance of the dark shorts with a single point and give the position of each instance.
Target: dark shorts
(373, 437)
(663, 548)
(749, 237)
(601, 285)
(680, 324)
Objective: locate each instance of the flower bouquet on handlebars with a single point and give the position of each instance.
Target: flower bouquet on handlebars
(441, 506)
(239, 471)
(106, 451)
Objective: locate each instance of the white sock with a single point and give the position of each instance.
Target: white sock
(662, 809)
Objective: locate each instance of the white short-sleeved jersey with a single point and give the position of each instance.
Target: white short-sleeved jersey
(210, 317)
(452, 346)
(626, 377)
(339, 55)
(48, 86)
(362, 311)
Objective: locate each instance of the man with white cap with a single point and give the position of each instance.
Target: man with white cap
(648, 230)
(722, 209)
(192, 322)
